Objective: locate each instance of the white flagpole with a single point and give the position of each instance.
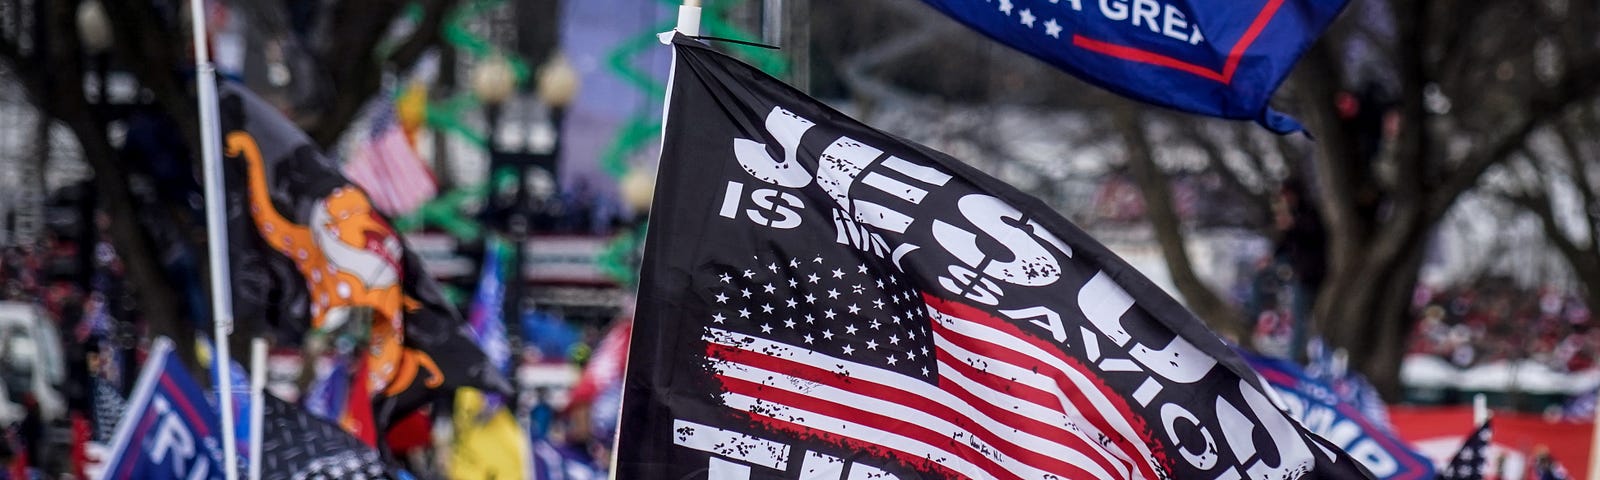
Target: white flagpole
(216, 229)
(689, 18)
(1480, 410)
(688, 24)
(1594, 447)
(258, 386)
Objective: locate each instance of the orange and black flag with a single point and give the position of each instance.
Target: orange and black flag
(311, 255)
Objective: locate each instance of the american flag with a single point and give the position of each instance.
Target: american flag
(851, 352)
(819, 299)
(1469, 463)
(605, 368)
(387, 168)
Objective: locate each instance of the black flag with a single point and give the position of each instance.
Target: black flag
(310, 253)
(823, 300)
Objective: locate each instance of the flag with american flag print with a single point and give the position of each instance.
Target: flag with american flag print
(387, 167)
(822, 300)
(1470, 462)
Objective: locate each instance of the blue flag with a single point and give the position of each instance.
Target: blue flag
(1221, 58)
(486, 319)
(1317, 407)
(327, 396)
(1352, 387)
(488, 329)
(169, 430)
(239, 380)
(558, 462)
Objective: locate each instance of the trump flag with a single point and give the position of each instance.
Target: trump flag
(168, 429)
(1322, 410)
(823, 300)
(1222, 58)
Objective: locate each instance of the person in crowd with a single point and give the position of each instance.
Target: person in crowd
(31, 431)
(541, 415)
(1298, 264)
(1546, 467)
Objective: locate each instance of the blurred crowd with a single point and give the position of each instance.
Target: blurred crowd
(567, 412)
(1494, 320)
(66, 337)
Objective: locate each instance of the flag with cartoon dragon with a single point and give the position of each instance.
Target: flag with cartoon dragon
(311, 256)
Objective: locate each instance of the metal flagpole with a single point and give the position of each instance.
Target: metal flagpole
(258, 386)
(216, 229)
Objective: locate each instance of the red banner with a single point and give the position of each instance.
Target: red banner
(1438, 433)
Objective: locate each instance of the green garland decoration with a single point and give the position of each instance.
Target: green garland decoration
(618, 258)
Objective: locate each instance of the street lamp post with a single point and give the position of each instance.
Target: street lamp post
(557, 86)
(638, 192)
(94, 35)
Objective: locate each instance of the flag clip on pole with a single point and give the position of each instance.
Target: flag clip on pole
(689, 18)
(688, 22)
(258, 386)
(216, 227)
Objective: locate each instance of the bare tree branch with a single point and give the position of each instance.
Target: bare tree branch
(1538, 203)
(1256, 157)
(427, 34)
(1412, 152)
(141, 34)
(9, 53)
(1583, 258)
(157, 301)
(349, 60)
(1216, 159)
(1215, 312)
(1318, 80)
(855, 68)
(1578, 85)
(1572, 153)
(1456, 57)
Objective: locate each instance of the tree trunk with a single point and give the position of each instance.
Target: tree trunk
(59, 97)
(158, 303)
(1370, 318)
(1168, 228)
(1364, 305)
(538, 30)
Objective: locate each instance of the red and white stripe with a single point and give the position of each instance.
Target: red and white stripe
(1006, 405)
(606, 365)
(391, 173)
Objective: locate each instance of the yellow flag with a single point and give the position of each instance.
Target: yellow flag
(411, 108)
(495, 448)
